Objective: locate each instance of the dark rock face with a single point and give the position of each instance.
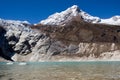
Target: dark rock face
(5, 49)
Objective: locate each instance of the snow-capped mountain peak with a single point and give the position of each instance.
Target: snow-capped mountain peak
(74, 10)
(70, 13)
(62, 17)
(65, 16)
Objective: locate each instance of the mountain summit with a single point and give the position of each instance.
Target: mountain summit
(75, 12)
(65, 16)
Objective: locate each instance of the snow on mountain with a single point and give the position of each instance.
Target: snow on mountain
(15, 25)
(115, 20)
(13, 22)
(65, 16)
(59, 18)
(62, 17)
(88, 18)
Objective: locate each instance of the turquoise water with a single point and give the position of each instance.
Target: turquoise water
(61, 71)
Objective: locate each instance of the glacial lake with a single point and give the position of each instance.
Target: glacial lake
(102, 70)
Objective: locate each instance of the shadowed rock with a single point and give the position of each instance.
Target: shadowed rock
(5, 49)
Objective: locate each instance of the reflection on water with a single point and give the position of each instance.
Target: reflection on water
(61, 71)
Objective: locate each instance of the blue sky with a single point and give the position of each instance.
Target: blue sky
(36, 10)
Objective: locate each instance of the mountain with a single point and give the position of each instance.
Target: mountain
(70, 35)
(74, 12)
